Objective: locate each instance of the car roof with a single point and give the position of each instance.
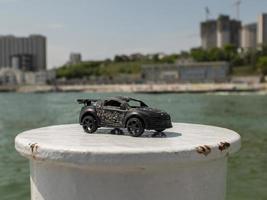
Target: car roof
(122, 99)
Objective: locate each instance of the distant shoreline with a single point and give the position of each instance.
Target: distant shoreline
(141, 88)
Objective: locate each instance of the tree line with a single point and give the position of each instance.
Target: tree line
(256, 60)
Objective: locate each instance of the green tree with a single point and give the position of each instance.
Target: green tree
(216, 54)
(230, 52)
(199, 54)
(262, 64)
(170, 58)
(80, 70)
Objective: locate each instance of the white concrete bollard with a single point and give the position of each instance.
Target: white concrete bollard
(67, 164)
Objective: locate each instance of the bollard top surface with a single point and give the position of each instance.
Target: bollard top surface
(68, 144)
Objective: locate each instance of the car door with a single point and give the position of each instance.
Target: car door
(112, 114)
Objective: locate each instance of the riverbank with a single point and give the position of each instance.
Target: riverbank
(141, 88)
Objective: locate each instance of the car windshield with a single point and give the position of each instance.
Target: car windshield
(136, 104)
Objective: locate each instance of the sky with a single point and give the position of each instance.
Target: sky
(100, 29)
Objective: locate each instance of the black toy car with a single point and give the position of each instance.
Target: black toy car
(122, 112)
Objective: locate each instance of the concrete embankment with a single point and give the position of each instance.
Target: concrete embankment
(142, 88)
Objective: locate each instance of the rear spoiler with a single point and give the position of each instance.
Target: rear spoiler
(86, 101)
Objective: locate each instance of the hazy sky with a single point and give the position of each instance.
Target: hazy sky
(102, 28)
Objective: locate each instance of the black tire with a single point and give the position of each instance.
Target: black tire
(135, 127)
(160, 130)
(89, 124)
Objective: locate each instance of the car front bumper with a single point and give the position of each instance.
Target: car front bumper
(159, 124)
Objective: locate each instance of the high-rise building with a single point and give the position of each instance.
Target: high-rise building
(228, 31)
(262, 29)
(208, 34)
(235, 33)
(249, 36)
(220, 32)
(24, 53)
(223, 31)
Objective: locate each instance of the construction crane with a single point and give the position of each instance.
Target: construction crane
(237, 4)
(207, 11)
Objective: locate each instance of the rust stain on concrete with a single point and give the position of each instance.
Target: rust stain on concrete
(223, 146)
(205, 150)
(34, 149)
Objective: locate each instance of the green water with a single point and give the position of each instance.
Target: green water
(246, 114)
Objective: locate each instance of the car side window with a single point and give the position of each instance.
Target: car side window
(112, 103)
(134, 104)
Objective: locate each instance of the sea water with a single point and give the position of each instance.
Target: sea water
(246, 114)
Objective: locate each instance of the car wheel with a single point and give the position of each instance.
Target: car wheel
(89, 124)
(160, 130)
(135, 127)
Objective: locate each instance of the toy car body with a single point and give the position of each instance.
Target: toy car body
(122, 112)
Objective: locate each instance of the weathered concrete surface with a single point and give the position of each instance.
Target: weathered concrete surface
(190, 163)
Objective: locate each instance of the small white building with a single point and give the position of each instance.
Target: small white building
(75, 58)
(40, 77)
(186, 72)
(13, 76)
